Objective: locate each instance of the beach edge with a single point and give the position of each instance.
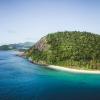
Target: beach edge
(61, 68)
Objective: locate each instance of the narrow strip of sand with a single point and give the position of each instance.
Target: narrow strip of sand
(74, 70)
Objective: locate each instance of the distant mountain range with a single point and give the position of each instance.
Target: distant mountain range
(17, 46)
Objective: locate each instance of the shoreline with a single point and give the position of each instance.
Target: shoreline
(66, 69)
(60, 68)
(20, 54)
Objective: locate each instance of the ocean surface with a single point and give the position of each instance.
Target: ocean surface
(22, 80)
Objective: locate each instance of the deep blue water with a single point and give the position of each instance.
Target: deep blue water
(22, 80)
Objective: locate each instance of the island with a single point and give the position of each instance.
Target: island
(17, 46)
(70, 49)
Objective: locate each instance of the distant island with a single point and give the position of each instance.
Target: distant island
(17, 46)
(71, 49)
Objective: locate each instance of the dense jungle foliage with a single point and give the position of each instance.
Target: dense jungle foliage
(72, 49)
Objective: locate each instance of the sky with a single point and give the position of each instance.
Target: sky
(29, 20)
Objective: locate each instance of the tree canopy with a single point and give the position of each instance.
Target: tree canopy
(69, 49)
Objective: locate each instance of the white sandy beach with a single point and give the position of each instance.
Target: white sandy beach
(73, 70)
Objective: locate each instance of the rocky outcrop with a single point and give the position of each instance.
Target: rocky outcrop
(81, 49)
(42, 45)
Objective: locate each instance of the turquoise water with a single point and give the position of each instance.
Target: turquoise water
(22, 80)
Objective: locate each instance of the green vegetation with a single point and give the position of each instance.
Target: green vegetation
(19, 46)
(71, 49)
(5, 47)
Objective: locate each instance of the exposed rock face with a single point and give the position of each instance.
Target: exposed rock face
(81, 49)
(42, 45)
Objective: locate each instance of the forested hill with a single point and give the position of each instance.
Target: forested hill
(17, 46)
(70, 49)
